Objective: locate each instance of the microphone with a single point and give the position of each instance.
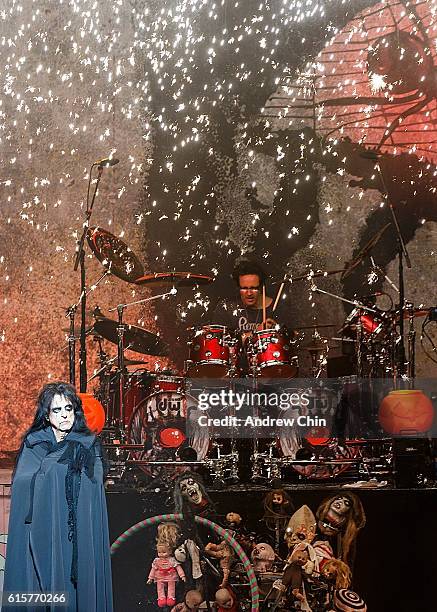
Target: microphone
(106, 161)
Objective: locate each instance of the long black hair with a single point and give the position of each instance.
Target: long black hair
(44, 402)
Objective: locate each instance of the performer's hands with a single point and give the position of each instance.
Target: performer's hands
(150, 580)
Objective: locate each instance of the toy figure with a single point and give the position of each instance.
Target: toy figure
(190, 496)
(191, 603)
(225, 554)
(165, 571)
(277, 509)
(337, 573)
(225, 600)
(301, 527)
(342, 516)
(262, 557)
(235, 525)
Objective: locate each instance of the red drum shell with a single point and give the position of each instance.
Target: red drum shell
(271, 356)
(213, 351)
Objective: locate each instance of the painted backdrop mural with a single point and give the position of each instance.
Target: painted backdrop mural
(241, 130)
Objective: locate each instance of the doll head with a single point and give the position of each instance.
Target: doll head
(343, 516)
(299, 556)
(224, 599)
(263, 552)
(301, 527)
(163, 551)
(233, 519)
(277, 501)
(192, 600)
(168, 534)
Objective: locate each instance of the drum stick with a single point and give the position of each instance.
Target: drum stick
(264, 306)
(278, 295)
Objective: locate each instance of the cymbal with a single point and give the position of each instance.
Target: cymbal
(319, 347)
(182, 279)
(315, 326)
(417, 312)
(114, 254)
(135, 338)
(311, 274)
(364, 251)
(133, 362)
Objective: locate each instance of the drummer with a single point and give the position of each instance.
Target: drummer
(246, 313)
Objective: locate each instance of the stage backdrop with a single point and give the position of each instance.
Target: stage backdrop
(242, 129)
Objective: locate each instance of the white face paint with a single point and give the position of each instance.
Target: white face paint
(61, 416)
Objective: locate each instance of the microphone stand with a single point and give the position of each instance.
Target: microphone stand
(80, 260)
(402, 253)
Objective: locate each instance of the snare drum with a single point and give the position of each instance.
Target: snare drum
(270, 355)
(213, 351)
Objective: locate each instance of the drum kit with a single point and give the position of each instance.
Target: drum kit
(148, 412)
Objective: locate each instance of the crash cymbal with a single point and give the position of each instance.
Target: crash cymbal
(181, 279)
(135, 338)
(364, 252)
(315, 326)
(114, 254)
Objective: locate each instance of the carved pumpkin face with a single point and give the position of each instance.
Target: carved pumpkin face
(406, 411)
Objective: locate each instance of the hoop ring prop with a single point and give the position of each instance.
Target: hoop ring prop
(223, 533)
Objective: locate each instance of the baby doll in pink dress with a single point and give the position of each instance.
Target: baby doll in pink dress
(165, 570)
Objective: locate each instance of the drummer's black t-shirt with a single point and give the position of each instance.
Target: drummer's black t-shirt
(244, 319)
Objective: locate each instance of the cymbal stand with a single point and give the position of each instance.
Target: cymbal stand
(120, 351)
(71, 313)
(402, 253)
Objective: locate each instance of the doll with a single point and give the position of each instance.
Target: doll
(301, 527)
(165, 570)
(191, 603)
(225, 600)
(225, 554)
(263, 557)
(235, 526)
(337, 573)
(277, 509)
(342, 516)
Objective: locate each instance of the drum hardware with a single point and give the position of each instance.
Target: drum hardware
(223, 468)
(265, 466)
(180, 279)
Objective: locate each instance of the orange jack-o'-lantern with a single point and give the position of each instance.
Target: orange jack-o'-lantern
(94, 412)
(406, 412)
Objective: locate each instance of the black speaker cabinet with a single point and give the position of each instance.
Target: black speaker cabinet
(413, 462)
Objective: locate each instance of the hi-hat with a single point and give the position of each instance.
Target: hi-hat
(114, 254)
(181, 279)
(135, 338)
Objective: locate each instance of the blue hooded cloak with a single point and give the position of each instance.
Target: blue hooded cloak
(58, 537)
